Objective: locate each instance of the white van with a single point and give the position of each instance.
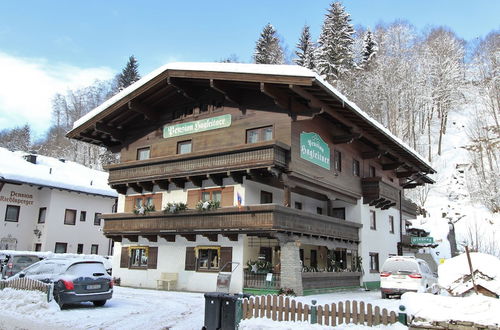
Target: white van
(402, 274)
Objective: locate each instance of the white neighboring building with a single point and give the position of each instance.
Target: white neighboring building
(48, 204)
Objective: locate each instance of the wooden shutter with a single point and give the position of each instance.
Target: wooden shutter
(129, 203)
(190, 259)
(227, 197)
(193, 198)
(157, 201)
(124, 258)
(152, 257)
(226, 255)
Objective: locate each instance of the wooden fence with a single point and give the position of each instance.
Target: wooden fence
(27, 284)
(281, 308)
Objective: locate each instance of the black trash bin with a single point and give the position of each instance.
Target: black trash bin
(231, 311)
(212, 310)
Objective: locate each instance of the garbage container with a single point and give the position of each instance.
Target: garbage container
(212, 310)
(231, 311)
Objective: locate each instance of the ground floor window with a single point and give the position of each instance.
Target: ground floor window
(139, 257)
(79, 249)
(208, 258)
(12, 213)
(374, 268)
(61, 247)
(38, 246)
(94, 248)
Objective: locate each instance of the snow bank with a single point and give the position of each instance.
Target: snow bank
(457, 267)
(32, 303)
(264, 324)
(479, 309)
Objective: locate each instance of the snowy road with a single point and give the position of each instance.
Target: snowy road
(134, 309)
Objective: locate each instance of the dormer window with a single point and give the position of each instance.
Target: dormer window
(143, 153)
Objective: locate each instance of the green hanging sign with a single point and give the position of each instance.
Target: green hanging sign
(197, 126)
(421, 240)
(314, 149)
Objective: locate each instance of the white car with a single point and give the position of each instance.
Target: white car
(405, 274)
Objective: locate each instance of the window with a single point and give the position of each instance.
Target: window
(38, 246)
(371, 172)
(94, 248)
(391, 224)
(139, 257)
(298, 205)
(184, 147)
(61, 247)
(266, 197)
(355, 167)
(373, 220)
(319, 210)
(260, 134)
(12, 213)
(97, 219)
(41, 214)
(143, 153)
(208, 258)
(373, 262)
(211, 195)
(83, 215)
(69, 217)
(338, 212)
(337, 160)
(79, 249)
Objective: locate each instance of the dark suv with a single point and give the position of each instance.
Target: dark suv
(75, 279)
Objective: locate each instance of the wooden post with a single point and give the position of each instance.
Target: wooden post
(327, 314)
(361, 319)
(471, 269)
(334, 315)
(355, 312)
(340, 312)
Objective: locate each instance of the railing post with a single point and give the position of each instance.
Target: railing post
(314, 312)
(402, 317)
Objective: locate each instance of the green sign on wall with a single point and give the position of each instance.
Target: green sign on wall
(197, 126)
(314, 149)
(421, 240)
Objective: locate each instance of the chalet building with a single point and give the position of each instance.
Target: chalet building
(50, 204)
(293, 180)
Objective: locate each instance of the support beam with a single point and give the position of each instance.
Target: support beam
(211, 237)
(146, 185)
(391, 166)
(135, 187)
(132, 238)
(142, 109)
(178, 182)
(196, 181)
(405, 174)
(115, 238)
(162, 184)
(284, 100)
(168, 237)
(347, 138)
(231, 237)
(373, 154)
(120, 188)
(216, 178)
(228, 95)
(189, 237)
(151, 238)
(114, 132)
(183, 89)
(412, 185)
(236, 176)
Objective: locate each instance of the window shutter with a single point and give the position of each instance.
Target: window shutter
(190, 259)
(152, 257)
(226, 255)
(124, 259)
(129, 203)
(193, 198)
(227, 197)
(157, 201)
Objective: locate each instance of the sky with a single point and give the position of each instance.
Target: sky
(48, 47)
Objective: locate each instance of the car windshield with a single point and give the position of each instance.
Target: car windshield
(404, 266)
(46, 267)
(87, 269)
(25, 259)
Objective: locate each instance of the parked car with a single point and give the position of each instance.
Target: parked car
(404, 274)
(75, 279)
(15, 263)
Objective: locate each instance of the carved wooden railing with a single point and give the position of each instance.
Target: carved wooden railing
(379, 193)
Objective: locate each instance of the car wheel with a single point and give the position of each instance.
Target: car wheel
(99, 303)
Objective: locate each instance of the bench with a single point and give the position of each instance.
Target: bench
(169, 278)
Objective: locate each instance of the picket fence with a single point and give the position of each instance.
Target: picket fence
(281, 308)
(26, 284)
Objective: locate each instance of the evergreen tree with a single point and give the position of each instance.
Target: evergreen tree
(18, 138)
(370, 49)
(129, 75)
(305, 49)
(268, 49)
(335, 55)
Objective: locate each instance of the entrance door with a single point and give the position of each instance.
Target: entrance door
(314, 258)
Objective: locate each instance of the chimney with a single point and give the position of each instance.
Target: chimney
(30, 158)
(62, 160)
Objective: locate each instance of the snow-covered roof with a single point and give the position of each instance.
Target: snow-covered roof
(53, 173)
(245, 68)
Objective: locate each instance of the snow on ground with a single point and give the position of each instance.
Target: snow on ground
(265, 324)
(479, 309)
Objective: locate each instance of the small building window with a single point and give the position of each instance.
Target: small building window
(338, 212)
(266, 197)
(70, 217)
(83, 215)
(139, 257)
(372, 172)
(355, 167)
(260, 134)
(298, 205)
(319, 210)
(374, 263)
(61, 247)
(373, 220)
(41, 214)
(97, 219)
(391, 224)
(337, 160)
(38, 247)
(94, 248)
(143, 153)
(79, 249)
(184, 147)
(208, 258)
(211, 195)
(12, 213)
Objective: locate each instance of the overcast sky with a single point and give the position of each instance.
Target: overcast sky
(47, 47)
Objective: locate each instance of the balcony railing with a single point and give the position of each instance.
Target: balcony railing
(379, 193)
(272, 153)
(248, 219)
(322, 280)
(258, 281)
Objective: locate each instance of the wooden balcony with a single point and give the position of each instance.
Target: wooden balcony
(182, 168)
(255, 219)
(379, 194)
(409, 208)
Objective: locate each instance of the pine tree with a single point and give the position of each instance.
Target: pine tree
(305, 50)
(335, 55)
(370, 49)
(268, 49)
(129, 75)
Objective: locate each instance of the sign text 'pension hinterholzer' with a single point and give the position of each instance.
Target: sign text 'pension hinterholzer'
(197, 126)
